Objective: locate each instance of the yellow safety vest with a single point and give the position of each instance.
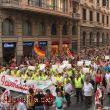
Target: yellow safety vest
(18, 73)
(65, 80)
(12, 72)
(78, 83)
(83, 76)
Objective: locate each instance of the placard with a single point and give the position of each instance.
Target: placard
(80, 63)
(86, 70)
(107, 57)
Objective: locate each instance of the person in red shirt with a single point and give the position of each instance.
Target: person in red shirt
(98, 77)
(48, 99)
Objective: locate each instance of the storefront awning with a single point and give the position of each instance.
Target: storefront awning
(55, 42)
(65, 42)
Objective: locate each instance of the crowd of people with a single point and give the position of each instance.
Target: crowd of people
(72, 79)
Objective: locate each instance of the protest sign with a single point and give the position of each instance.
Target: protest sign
(55, 66)
(42, 67)
(107, 57)
(65, 62)
(80, 63)
(31, 68)
(87, 63)
(86, 70)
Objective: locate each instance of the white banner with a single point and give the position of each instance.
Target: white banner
(19, 85)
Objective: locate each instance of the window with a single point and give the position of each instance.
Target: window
(91, 1)
(8, 27)
(107, 20)
(64, 30)
(108, 4)
(27, 28)
(98, 1)
(98, 35)
(64, 5)
(90, 38)
(103, 38)
(103, 18)
(98, 17)
(104, 2)
(107, 39)
(54, 4)
(42, 29)
(84, 14)
(91, 16)
(53, 29)
(84, 39)
(74, 30)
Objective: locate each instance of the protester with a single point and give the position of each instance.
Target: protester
(78, 82)
(39, 99)
(30, 99)
(59, 101)
(19, 105)
(49, 98)
(88, 92)
(99, 77)
(68, 92)
(102, 89)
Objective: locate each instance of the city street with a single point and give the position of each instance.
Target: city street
(53, 53)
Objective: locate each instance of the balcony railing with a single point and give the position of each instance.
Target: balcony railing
(76, 16)
(13, 2)
(33, 4)
(77, 1)
(44, 5)
(99, 25)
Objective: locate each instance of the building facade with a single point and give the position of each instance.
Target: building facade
(50, 23)
(95, 23)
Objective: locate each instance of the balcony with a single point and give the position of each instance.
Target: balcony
(76, 16)
(10, 4)
(34, 6)
(99, 25)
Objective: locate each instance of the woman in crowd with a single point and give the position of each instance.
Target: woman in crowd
(102, 89)
(59, 101)
(30, 99)
(48, 99)
(98, 77)
(39, 100)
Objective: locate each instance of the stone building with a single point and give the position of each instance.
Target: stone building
(95, 23)
(54, 23)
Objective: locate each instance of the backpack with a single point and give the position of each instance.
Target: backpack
(59, 103)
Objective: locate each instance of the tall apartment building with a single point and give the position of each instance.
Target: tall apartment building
(54, 23)
(95, 23)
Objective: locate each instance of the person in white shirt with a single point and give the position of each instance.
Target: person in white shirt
(19, 106)
(107, 76)
(68, 92)
(5, 95)
(5, 98)
(88, 92)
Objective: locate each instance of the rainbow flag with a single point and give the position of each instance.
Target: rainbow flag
(39, 51)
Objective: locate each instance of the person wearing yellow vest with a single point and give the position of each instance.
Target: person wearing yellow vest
(78, 83)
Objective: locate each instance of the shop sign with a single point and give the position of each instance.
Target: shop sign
(55, 42)
(42, 43)
(28, 43)
(9, 45)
